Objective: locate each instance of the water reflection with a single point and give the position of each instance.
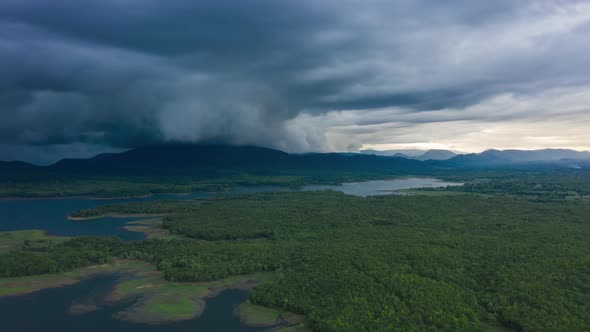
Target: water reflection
(51, 214)
(49, 310)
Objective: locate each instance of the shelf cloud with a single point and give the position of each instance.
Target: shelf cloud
(295, 75)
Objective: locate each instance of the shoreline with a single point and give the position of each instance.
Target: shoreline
(273, 318)
(92, 198)
(35, 283)
(13, 240)
(137, 313)
(185, 193)
(151, 287)
(117, 215)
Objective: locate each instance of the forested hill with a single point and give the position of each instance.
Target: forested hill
(16, 165)
(17, 170)
(174, 159)
(495, 158)
(201, 159)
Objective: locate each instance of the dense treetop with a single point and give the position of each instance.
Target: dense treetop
(408, 263)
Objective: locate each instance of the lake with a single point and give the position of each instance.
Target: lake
(383, 187)
(48, 310)
(51, 214)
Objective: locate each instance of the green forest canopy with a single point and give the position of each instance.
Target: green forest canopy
(409, 263)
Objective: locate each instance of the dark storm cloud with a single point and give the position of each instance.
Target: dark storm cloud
(126, 73)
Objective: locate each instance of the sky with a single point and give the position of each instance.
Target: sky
(82, 77)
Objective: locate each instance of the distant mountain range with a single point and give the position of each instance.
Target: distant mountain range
(414, 154)
(391, 153)
(186, 159)
(511, 157)
(492, 158)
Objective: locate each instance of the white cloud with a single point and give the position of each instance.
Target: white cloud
(327, 75)
(558, 118)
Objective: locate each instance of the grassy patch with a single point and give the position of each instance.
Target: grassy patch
(173, 307)
(15, 239)
(152, 228)
(255, 315)
(160, 300)
(10, 290)
(295, 328)
(432, 192)
(130, 287)
(29, 284)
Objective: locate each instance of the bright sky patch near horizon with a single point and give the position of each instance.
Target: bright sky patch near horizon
(84, 77)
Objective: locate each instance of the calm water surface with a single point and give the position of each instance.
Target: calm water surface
(48, 310)
(383, 187)
(51, 214)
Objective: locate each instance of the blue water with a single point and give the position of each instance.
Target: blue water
(383, 187)
(51, 214)
(48, 310)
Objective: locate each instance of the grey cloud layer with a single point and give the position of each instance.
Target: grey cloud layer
(124, 73)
